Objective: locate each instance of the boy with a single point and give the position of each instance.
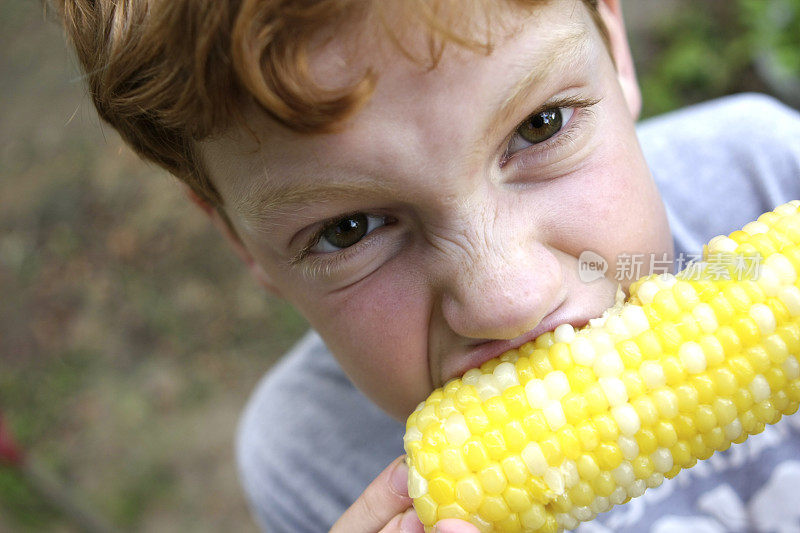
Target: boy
(420, 180)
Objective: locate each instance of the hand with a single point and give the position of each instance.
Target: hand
(386, 507)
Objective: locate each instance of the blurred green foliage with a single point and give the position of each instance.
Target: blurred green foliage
(718, 47)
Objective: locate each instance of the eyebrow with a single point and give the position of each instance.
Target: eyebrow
(562, 52)
(269, 202)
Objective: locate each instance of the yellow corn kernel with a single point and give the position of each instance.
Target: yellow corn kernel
(565, 427)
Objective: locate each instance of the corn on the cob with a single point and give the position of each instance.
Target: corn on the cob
(567, 426)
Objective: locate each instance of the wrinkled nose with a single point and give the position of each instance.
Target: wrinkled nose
(501, 292)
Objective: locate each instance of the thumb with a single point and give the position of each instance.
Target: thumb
(453, 525)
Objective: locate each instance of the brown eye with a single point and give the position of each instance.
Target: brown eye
(538, 128)
(541, 126)
(347, 231)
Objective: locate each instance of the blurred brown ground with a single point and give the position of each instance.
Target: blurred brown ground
(130, 337)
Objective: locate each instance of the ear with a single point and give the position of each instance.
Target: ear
(223, 225)
(611, 13)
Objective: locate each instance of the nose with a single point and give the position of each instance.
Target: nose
(502, 290)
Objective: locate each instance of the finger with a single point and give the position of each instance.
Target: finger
(453, 525)
(384, 498)
(408, 522)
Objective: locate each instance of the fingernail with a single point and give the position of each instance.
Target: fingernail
(399, 479)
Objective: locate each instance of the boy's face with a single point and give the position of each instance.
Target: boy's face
(443, 224)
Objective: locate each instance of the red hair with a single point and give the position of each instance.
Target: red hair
(168, 73)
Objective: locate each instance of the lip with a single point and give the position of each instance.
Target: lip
(490, 349)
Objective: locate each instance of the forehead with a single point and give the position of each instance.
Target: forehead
(416, 115)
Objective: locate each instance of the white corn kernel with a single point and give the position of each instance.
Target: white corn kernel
(791, 368)
(647, 291)
(652, 374)
(706, 319)
(601, 504)
(554, 415)
(608, 364)
(763, 317)
(564, 333)
(557, 384)
(692, 357)
(755, 227)
(759, 388)
(570, 472)
(506, 375)
(635, 319)
(582, 513)
(623, 474)
(768, 280)
(626, 418)
(417, 485)
(487, 387)
(722, 244)
(790, 296)
(615, 390)
(583, 351)
(637, 488)
(534, 459)
(655, 480)
(554, 479)
(536, 393)
(783, 267)
(662, 460)
(618, 496)
(456, 430)
(733, 430)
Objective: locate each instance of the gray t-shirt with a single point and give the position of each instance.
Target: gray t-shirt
(309, 442)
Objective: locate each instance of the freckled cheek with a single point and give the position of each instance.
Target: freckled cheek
(619, 209)
(378, 332)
